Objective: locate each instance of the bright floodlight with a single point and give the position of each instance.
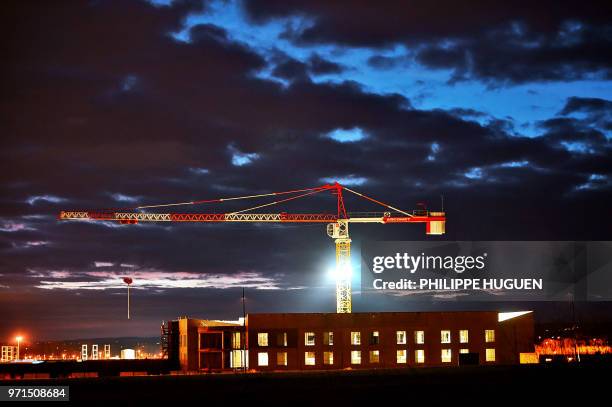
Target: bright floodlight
(19, 338)
(343, 272)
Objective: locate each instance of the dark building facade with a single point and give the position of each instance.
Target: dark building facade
(321, 341)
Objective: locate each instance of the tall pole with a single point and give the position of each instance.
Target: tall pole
(128, 281)
(243, 356)
(128, 301)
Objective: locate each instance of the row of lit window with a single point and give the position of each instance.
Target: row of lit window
(374, 357)
(401, 337)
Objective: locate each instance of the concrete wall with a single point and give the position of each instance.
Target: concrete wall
(188, 343)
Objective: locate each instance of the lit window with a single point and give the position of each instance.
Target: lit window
(445, 337)
(328, 338)
(328, 358)
(374, 338)
(281, 358)
(463, 336)
(281, 339)
(309, 358)
(401, 356)
(355, 357)
(236, 360)
(464, 350)
(419, 337)
(489, 335)
(374, 356)
(446, 355)
(262, 359)
(235, 340)
(309, 338)
(490, 355)
(356, 339)
(401, 337)
(419, 356)
(262, 339)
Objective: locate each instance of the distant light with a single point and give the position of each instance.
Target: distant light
(347, 135)
(19, 338)
(504, 316)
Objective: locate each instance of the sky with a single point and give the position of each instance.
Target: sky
(505, 110)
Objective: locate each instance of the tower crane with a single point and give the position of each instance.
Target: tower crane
(337, 223)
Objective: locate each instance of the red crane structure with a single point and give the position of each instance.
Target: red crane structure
(337, 223)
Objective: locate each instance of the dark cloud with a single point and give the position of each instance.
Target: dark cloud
(508, 56)
(463, 112)
(488, 40)
(291, 69)
(587, 105)
(597, 112)
(321, 66)
(102, 107)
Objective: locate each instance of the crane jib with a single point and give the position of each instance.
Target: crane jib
(135, 217)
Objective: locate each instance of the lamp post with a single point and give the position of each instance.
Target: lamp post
(128, 281)
(18, 339)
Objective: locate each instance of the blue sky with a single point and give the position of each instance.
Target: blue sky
(524, 104)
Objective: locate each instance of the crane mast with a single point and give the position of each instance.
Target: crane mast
(339, 232)
(337, 223)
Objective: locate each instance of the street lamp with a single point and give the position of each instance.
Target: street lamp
(18, 339)
(128, 281)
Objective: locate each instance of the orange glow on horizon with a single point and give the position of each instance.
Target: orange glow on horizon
(568, 346)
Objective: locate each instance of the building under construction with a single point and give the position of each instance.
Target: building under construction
(322, 341)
